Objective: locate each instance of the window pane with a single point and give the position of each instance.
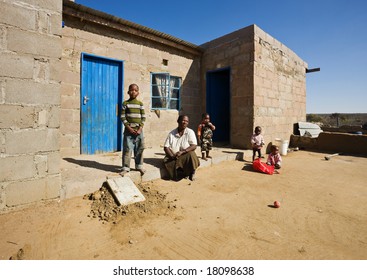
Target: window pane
(159, 103)
(155, 91)
(158, 91)
(164, 91)
(175, 81)
(173, 104)
(175, 93)
(160, 79)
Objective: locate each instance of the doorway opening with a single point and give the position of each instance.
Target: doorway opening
(218, 103)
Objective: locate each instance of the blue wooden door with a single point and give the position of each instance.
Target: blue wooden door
(100, 100)
(218, 103)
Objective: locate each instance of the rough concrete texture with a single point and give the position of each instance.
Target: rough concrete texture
(343, 143)
(279, 87)
(25, 192)
(268, 83)
(303, 142)
(333, 142)
(124, 190)
(30, 47)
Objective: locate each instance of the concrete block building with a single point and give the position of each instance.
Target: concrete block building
(30, 50)
(65, 70)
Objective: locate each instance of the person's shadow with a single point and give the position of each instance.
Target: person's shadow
(94, 164)
(248, 166)
(156, 162)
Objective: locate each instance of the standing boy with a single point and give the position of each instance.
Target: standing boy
(133, 118)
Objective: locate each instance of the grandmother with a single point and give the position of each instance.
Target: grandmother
(181, 160)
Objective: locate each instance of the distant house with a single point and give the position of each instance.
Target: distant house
(66, 69)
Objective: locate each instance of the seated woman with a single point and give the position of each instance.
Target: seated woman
(179, 147)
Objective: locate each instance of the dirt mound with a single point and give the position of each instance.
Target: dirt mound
(105, 208)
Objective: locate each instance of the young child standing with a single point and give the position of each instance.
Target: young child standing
(205, 134)
(274, 157)
(133, 118)
(257, 141)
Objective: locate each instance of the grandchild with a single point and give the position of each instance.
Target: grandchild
(274, 157)
(257, 141)
(205, 134)
(133, 118)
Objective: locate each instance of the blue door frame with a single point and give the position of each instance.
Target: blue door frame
(218, 103)
(100, 104)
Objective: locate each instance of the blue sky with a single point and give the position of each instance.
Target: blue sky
(330, 34)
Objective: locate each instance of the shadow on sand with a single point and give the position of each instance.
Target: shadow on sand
(248, 166)
(156, 162)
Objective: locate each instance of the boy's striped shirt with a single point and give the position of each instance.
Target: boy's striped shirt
(133, 113)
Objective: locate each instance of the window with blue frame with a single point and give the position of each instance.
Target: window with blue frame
(165, 91)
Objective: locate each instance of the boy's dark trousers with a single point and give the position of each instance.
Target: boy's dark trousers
(254, 150)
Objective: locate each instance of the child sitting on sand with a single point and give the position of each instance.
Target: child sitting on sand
(274, 157)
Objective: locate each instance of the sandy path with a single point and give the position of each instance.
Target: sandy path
(224, 214)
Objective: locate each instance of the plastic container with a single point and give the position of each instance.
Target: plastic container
(283, 146)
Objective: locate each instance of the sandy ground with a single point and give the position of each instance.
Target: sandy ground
(226, 213)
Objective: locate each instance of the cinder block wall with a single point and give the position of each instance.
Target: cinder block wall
(279, 87)
(342, 143)
(30, 49)
(333, 142)
(141, 58)
(236, 51)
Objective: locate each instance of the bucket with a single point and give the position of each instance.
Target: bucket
(278, 142)
(283, 146)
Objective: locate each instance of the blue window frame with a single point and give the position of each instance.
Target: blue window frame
(165, 91)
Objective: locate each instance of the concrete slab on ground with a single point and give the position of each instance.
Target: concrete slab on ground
(124, 190)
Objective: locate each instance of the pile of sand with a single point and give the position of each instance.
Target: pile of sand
(105, 208)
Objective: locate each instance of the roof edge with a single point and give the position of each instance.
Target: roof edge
(88, 14)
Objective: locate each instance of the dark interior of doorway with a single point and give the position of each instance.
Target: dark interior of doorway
(218, 104)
